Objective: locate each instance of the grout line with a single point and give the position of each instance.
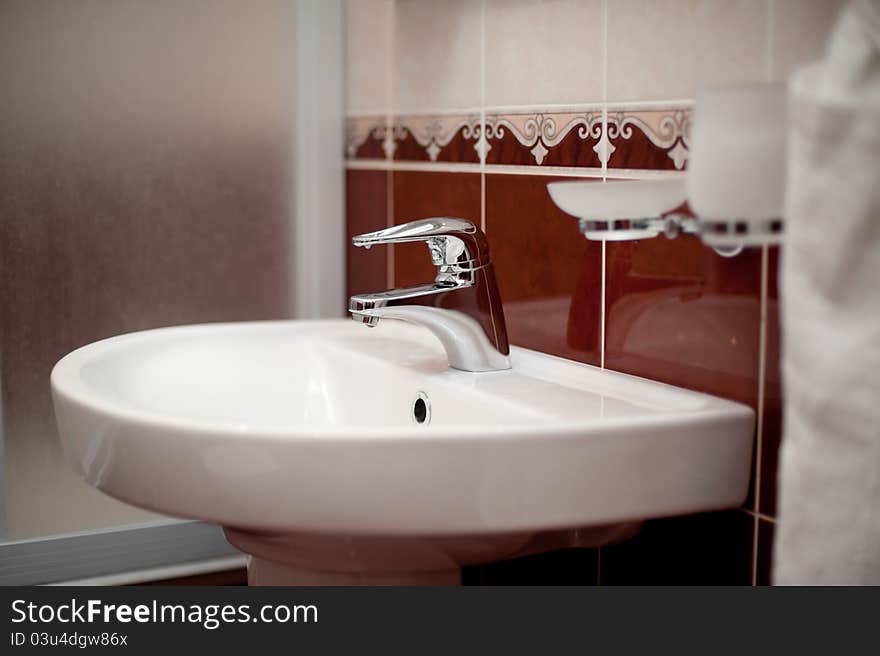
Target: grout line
(390, 93)
(605, 155)
(418, 112)
(762, 364)
(544, 108)
(604, 57)
(604, 159)
(390, 76)
(354, 113)
(483, 115)
(604, 243)
(602, 312)
(769, 64)
(483, 151)
(757, 515)
(389, 220)
(755, 527)
(483, 201)
(762, 338)
(536, 108)
(762, 356)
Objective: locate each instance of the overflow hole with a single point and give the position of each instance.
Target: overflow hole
(421, 409)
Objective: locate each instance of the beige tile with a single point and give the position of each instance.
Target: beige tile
(437, 55)
(543, 51)
(664, 49)
(369, 25)
(800, 29)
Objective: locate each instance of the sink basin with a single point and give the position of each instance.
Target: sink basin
(302, 439)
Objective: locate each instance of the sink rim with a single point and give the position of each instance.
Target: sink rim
(456, 479)
(67, 382)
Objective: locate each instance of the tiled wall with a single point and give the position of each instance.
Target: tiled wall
(468, 108)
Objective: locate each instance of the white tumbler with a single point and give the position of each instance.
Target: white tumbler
(736, 168)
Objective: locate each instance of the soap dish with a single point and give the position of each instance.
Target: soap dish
(619, 210)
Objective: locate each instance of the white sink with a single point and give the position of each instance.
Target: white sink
(299, 439)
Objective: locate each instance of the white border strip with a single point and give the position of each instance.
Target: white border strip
(513, 169)
(561, 108)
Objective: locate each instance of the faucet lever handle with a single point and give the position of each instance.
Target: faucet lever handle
(450, 241)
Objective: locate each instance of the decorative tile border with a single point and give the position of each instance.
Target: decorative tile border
(625, 138)
(545, 139)
(648, 139)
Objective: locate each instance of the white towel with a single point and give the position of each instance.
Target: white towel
(828, 528)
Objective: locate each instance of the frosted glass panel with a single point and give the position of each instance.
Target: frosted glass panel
(145, 180)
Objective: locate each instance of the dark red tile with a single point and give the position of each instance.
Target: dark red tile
(550, 276)
(366, 210)
(771, 436)
(749, 503)
(771, 440)
(371, 148)
(420, 195)
(705, 549)
(639, 152)
(764, 555)
(406, 148)
(679, 313)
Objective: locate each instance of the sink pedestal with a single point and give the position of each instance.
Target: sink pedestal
(266, 572)
(337, 559)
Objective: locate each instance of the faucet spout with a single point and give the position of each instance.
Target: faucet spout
(462, 307)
